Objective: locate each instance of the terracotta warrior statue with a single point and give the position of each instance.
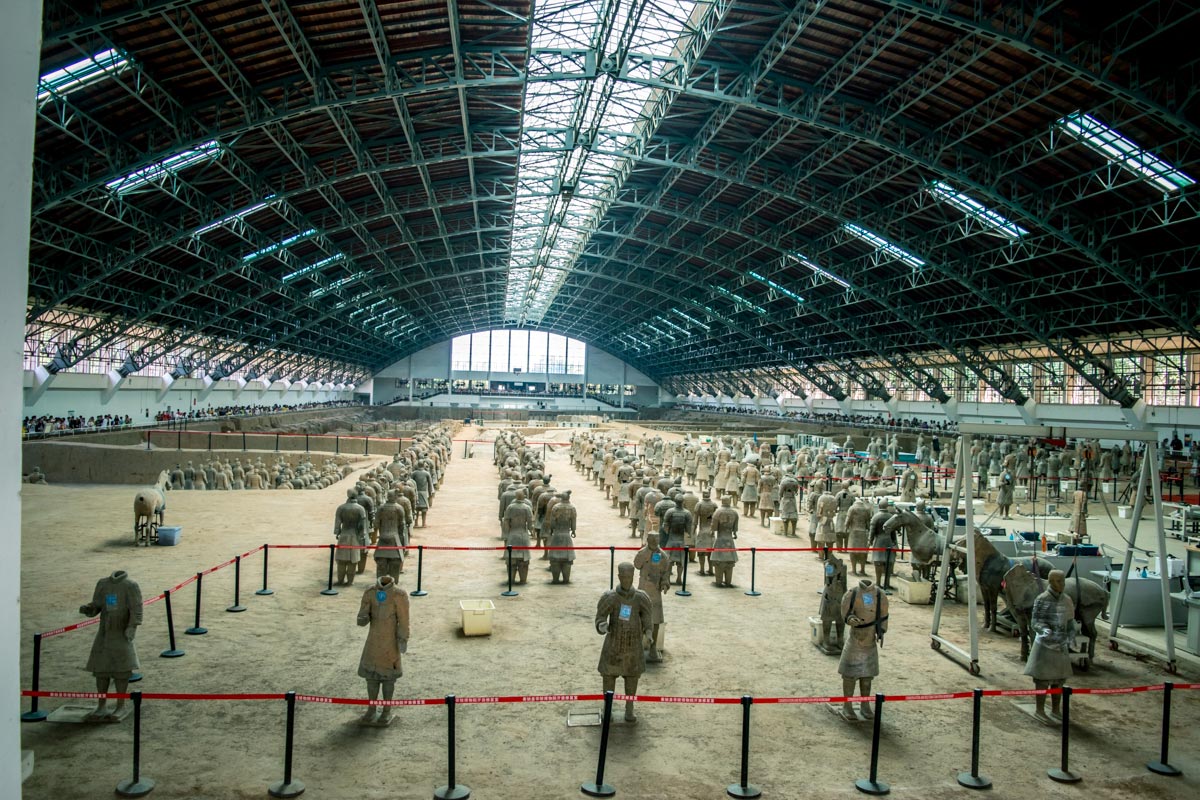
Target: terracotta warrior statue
(384, 608)
(789, 512)
(389, 553)
(518, 522)
(858, 524)
(118, 601)
(350, 527)
(624, 616)
(654, 579)
(560, 522)
(865, 611)
(826, 512)
(831, 603)
(725, 527)
(704, 531)
(1079, 515)
(677, 525)
(1004, 495)
(1052, 623)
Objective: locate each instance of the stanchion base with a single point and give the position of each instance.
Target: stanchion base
(420, 593)
(264, 592)
(35, 716)
(974, 781)
(455, 792)
(281, 789)
(752, 594)
(1156, 767)
(135, 677)
(738, 790)
(509, 594)
(171, 654)
(196, 631)
(1062, 776)
(128, 788)
(235, 609)
(683, 593)
(329, 592)
(871, 787)
(597, 789)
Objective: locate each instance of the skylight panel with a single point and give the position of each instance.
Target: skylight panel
(564, 184)
(882, 245)
(236, 215)
(976, 210)
(311, 268)
(806, 262)
(62, 82)
(339, 283)
(741, 301)
(271, 248)
(1123, 152)
(168, 166)
(784, 291)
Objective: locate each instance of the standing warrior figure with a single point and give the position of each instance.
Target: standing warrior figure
(384, 608)
(623, 617)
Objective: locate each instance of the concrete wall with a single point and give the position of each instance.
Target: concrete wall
(84, 394)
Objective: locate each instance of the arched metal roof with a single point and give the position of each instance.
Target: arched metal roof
(708, 190)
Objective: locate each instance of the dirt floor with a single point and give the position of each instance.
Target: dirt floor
(719, 643)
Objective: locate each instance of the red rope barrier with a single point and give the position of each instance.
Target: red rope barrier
(572, 698)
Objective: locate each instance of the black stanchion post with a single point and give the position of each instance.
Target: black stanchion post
(264, 590)
(612, 563)
(243, 441)
(197, 630)
(744, 788)
(306, 442)
(420, 562)
(366, 444)
(137, 786)
(452, 790)
(599, 788)
(33, 714)
(210, 441)
(972, 779)
(179, 440)
(337, 445)
(1162, 766)
(510, 592)
(872, 785)
(277, 443)
(173, 651)
(753, 562)
(682, 591)
(1063, 773)
(237, 587)
(329, 591)
(289, 786)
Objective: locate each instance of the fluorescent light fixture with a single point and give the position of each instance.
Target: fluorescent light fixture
(271, 248)
(776, 287)
(741, 301)
(311, 268)
(670, 324)
(976, 210)
(800, 259)
(321, 291)
(690, 319)
(63, 81)
(882, 245)
(1123, 152)
(245, 212)
(168, 166)
(657, 331)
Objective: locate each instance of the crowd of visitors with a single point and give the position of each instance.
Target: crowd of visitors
(830, 417)
(45, 425)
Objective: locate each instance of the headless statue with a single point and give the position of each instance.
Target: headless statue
(865, 611)
(560, 522)
(384, 608)
(624, 616)
(118, 601)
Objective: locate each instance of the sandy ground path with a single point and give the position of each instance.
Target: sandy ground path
(718, 643)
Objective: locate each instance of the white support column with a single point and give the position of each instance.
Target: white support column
(115, 379)
(20, 40)
(167, 381)
(41, 382)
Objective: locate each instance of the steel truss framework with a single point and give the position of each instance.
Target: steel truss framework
(671, 181)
